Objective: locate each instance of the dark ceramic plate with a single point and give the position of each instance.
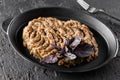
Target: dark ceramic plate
(107, 42)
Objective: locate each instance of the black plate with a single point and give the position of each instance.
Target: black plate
(105, 38)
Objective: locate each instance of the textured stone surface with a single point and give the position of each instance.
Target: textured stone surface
(14, 67)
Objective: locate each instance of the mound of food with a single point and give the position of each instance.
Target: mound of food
(66, 43)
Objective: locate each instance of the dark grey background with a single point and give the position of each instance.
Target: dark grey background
(14, 67)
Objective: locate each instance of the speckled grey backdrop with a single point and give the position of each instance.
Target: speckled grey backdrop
(13, 67)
